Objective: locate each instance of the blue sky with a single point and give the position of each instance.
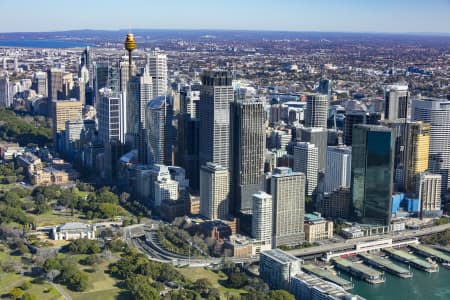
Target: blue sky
(293, 15)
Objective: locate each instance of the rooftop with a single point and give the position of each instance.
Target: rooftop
(280, 256)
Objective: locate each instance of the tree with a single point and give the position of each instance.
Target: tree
(237, 280)
(28, 296)
(26, 285)
(281, 295)
(16, 293)
(140, 288)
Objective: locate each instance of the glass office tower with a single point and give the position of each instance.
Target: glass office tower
(372, 173)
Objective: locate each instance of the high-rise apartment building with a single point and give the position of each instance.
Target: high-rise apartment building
(157, 65)
(288, 196)
(214, 191)
(429, 192)
(262, 217)
(396, 102)
(306, 162)
(436, 112)
(215, 97)
(372, 173)
(338, 169)
(316, 111)
(248, 149)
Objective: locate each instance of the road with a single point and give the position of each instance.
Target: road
(351, 243)
(151, 248)
(61, 290)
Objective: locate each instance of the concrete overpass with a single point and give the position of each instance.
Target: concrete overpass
(317, 251)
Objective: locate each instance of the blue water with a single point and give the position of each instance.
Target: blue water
(42, 44)
(422, 286)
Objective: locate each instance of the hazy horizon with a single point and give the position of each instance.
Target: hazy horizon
(353, 16)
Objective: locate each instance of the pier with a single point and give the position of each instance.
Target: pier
(430, 252)
(328, 276)
(386, 265)
(359, 270)
(414, 261)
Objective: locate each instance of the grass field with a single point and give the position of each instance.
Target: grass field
(194, 274)
(103, 286)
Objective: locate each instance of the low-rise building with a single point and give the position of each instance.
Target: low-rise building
(30, 163)
(352, 232)
(309, 287)
(73, 231)
(10, 150)
(49, 176)
(277, 267)
(317, 228)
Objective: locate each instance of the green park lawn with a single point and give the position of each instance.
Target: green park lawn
(194, 274)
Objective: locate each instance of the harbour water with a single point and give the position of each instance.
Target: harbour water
(422, 286)
(42, 44)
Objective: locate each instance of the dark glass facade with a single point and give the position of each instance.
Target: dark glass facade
(372, 173)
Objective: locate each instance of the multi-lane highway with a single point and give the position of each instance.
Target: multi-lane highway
(150, 247)
(348, 244)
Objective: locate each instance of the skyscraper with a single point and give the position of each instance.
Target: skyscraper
(40, 83)
(248, 144)
(372, 173)
(189, 102)
(353, 117)
(437, 113)
(68, 110)
(316, 111)
(416, 154)
(188, 142)
(288, 196)
(215, 98)
(157, 65)
(158, 125)
(55, 82)
(5, 92)
(318, 137)
(338, 169)
(395, 102)
(262, 217)
(214, 191)
(306, 162)
(139, 93)
(110, 117)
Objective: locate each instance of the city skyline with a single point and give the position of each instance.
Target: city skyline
(322, 16)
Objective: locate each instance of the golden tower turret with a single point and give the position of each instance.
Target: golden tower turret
(130, 45)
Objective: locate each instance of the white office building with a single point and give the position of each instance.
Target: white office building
(166, 189)
(436, 112)
(157, 66)
(338, 168)
(214, 191)
(306, 161)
